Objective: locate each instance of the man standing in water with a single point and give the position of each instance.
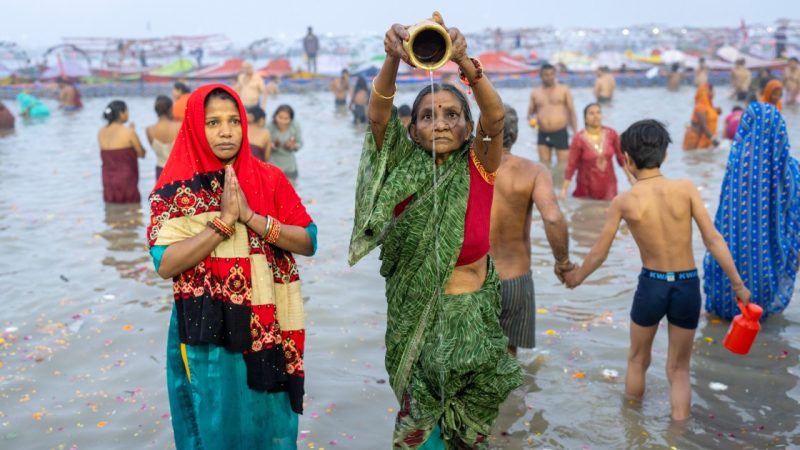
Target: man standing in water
(604, 85)
(341, 89)
(551, 105)
(311, 47)
(701, 73)
(740, 80)
(250, 87)
(791, 81)
(674, 77)
(520, 184)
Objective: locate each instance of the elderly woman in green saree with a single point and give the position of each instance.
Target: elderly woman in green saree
(424, 196)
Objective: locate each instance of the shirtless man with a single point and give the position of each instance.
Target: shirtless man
(551, 105)
(740, 80)
(520, 184)
(604, 85)
(791, 81)
(674, 77)
(250, 87)
(701, 73)
(341, 90)
(659, 213)
(69, 99)
(273, 88)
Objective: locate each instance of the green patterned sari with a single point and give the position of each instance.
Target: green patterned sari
(445, 354)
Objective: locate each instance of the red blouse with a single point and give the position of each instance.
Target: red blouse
(478, 215)
(595, 165)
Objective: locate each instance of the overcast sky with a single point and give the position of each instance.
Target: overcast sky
(34, 23)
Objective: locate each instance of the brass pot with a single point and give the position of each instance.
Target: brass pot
(428, 46)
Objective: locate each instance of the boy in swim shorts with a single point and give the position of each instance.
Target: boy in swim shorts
(659, 213)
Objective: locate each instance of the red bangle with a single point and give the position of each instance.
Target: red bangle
(478, 74)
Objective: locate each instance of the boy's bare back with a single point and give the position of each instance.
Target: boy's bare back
(659, 214)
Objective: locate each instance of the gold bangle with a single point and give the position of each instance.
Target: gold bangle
(268, 227)
(274, 233)
(383, 96)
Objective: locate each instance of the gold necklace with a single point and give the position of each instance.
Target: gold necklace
(595, 140)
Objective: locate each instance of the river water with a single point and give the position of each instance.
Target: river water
(84, 317)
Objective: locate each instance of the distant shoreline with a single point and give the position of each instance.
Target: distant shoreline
(140, 89)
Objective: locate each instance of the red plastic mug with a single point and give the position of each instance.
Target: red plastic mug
(744, 328)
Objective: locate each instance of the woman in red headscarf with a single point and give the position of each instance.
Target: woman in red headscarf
(702, 132)
(223, 226)
(772, 94)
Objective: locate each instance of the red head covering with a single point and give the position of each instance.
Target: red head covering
(265, 187)
(771, 87)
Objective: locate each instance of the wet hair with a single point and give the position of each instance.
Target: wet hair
(257, 113)
(586, 109)
(404, 111)
(547, 66)
(646, 143)
(510, 127)
(345, 72)
(675, 67)
(163, 106)
(439, 88)
(181, 87)
(282, 108)
(221, 94)
(361, 85)
(114, 110)
(737, 108)
(604, 69)
(793, 59)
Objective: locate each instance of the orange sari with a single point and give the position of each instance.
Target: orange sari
(694, 137)
(771, 87)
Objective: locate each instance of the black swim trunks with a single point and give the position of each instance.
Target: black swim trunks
(674, 294)
(340, 102)
(604, 100)
(558, 140)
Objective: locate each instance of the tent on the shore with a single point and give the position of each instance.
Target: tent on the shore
(228, 69)
(731, 54)
(279, 67)
(66, 68)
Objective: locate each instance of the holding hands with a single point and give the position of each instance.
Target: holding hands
(568, 273)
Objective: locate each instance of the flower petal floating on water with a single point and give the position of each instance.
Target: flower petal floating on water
(579, 375)
(127, 327)
(550, 332)
(716, 386)
(708, 339)
(541, 310)
(101, 424)
(610, 374)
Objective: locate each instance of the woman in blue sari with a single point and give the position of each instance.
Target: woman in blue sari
(759, 216)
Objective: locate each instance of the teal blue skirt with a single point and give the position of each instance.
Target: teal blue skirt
(212, 407)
